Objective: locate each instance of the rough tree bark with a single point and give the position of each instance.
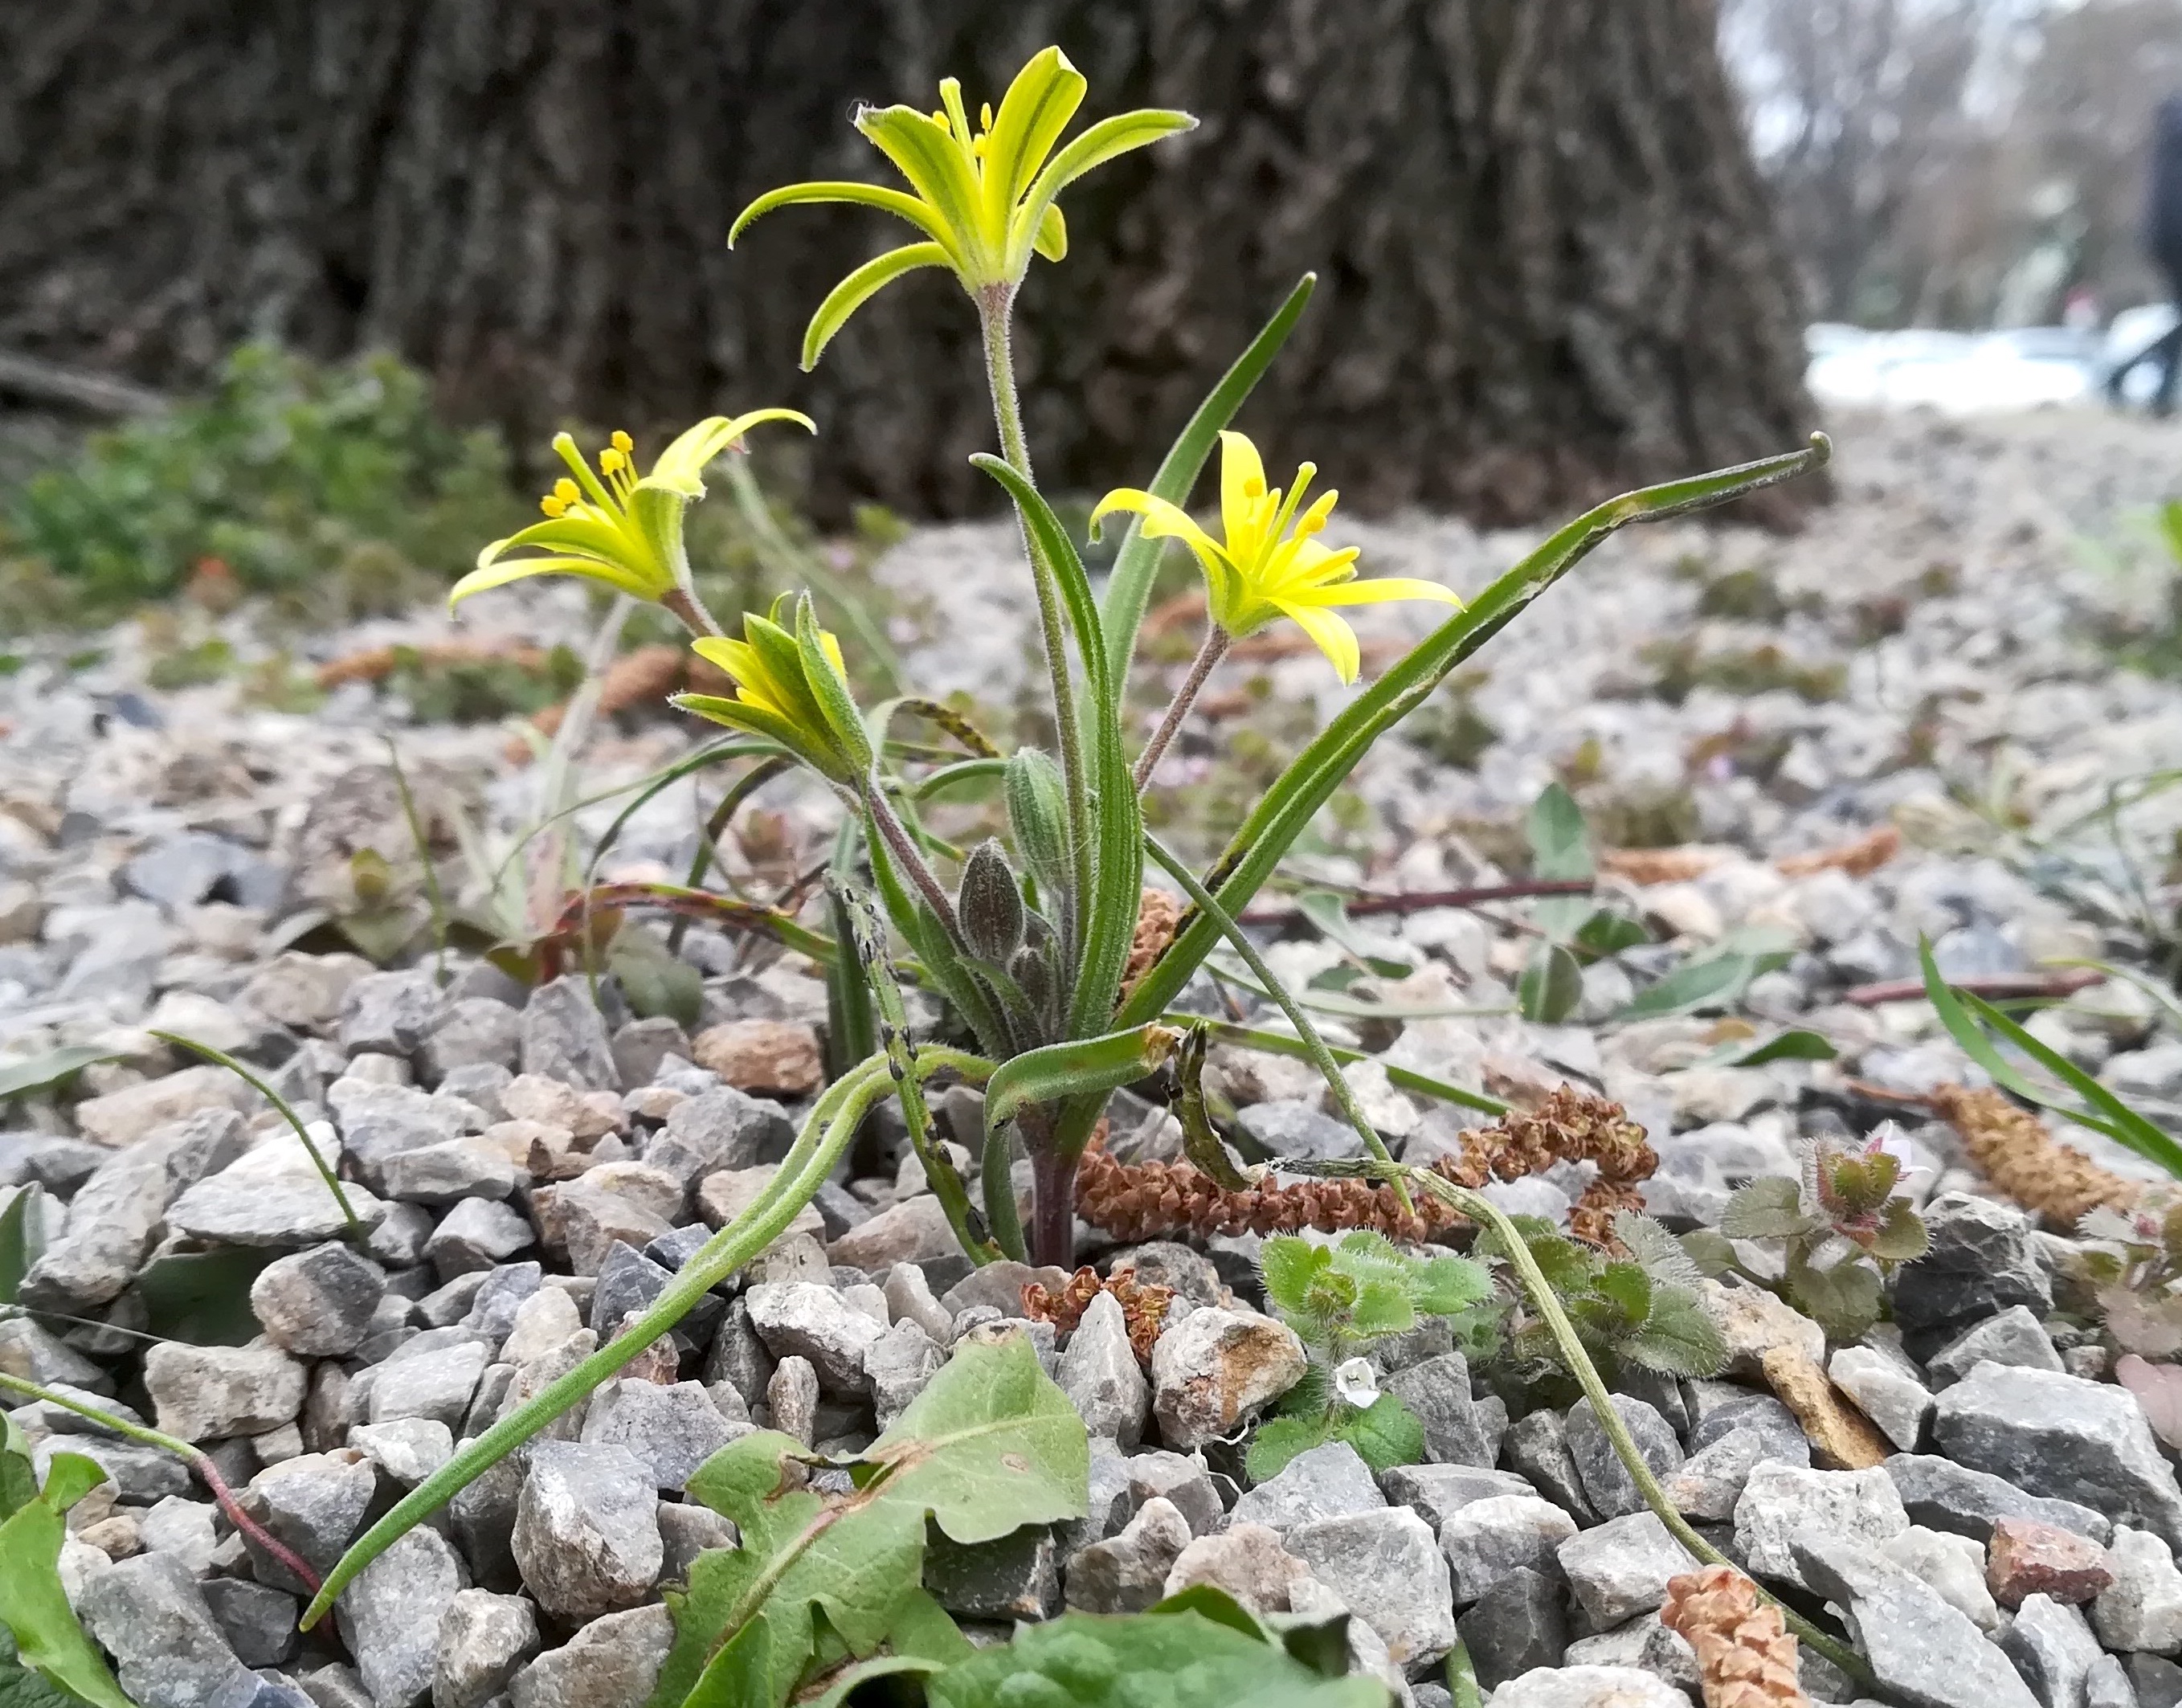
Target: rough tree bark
(1546, 265)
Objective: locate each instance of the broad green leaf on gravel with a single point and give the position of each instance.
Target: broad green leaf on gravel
(990, 1445)
(1179, 1660)
(1679, 1337)
(1551, 986)
(21, 1226)
(1709, 984)
(38, 1072)
(33, 1606)
(1325, 910)
(1385, 1433)
(1560, 847)
(656, 982)
(202, 1298)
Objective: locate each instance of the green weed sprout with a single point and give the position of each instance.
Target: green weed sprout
(1341, 1299)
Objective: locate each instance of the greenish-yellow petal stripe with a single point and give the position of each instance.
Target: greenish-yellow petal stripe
(858, 287)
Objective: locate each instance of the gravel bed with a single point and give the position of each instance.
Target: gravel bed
(1927, 674)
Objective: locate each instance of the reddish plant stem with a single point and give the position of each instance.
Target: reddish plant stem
(1996, 986)
(1357, 906)
(1053, 1209)
(249, 1526)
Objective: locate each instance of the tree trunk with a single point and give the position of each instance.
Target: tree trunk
(1546, 269)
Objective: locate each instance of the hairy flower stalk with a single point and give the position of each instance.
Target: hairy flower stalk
(1216, 642)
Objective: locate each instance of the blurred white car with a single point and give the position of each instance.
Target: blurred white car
(1954, 372)
(2134, 331)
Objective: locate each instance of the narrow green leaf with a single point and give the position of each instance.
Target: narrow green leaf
(22, 1225)
(1129, 587)
(1324, 909)
(1283, 812)
(49, 1067)
(1710, 984)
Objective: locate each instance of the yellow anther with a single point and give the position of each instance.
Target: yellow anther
(985, 117)
(554, 505)
(623, 443)
(611, 460)
(566, 490)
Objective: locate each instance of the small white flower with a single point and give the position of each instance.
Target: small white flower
(1356, 1383)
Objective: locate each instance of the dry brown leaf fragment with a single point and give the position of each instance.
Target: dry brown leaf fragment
(1644, 867)
(1859, 859)
(377, 663)
(1143, 1305)
(1745, 1656)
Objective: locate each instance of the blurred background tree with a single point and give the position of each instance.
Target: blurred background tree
(1547, 265)
(1957, 163)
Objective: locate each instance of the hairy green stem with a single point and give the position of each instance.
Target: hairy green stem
(993, 312)
(1280, 1044)
(687, 609)
(827, 1132)
(356, 1230)
(1315, 1047)
(888, 825)
(1216, 642)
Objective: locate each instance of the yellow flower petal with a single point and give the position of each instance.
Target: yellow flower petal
(1162, 521)
(1242, 488)
(1381, 590)
(1332, 637)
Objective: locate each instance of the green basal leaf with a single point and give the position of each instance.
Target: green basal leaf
(1552, 984)
(1385, 1433)
(990, 1445)
(1279, 1440)
(1071, 1069)
(1678, 1337)
(202, 1298)
(1662, 1255)
(1325, 910)
(50, 1067)
(1708, 1248)
(1715, 983)
(1768, 1208)
(1626, 1287)
(1441, 1286)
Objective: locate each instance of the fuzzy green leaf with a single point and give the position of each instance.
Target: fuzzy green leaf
(1382, 1307)
(1385, 1433)
(1441, 1286)
(1662, 1256)
(1627, 1288)
(1768, 1208)
(1679, 1337)
(1903, 1237)
(990, 1445)
(1279, 1440)
(1289, 1267)
(1844, 1300)
(1708, 1248)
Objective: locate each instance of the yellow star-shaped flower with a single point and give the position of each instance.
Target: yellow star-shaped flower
(612, 526)
(1271, 564)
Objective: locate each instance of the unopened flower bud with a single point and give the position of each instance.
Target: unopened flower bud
(1038, 813)
(989, 905)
